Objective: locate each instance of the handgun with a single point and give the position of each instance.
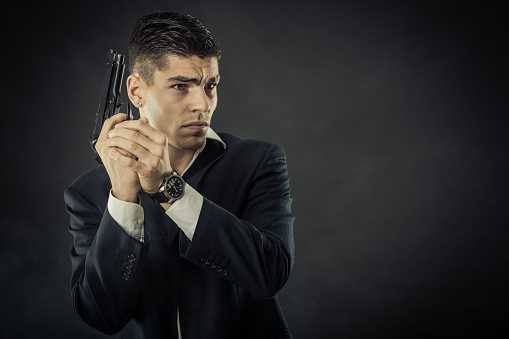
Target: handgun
(111, 96)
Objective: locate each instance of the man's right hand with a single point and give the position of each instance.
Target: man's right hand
(124, 181)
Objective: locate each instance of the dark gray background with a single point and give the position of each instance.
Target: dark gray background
(393, 117)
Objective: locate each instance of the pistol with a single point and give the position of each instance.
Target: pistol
(111, 98)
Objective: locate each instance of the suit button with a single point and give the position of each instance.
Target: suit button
(126, 276)
(223, 272)
(204, 261)
(128, 270)
(131, 257)
(216, 269)
(130, 264)
(210, 264)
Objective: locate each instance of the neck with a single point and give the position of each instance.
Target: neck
(180, 159)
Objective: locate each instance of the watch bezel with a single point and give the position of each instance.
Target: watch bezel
(166, 189)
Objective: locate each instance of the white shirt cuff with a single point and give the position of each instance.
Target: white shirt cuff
(128, 215)
(185, 212)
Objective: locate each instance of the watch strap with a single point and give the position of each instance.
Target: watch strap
(159, 197)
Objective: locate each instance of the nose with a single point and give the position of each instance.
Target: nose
(200, 102)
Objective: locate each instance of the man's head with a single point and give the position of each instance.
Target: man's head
(174, 73)
(157, 35)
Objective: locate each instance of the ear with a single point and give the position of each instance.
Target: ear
(136, 88)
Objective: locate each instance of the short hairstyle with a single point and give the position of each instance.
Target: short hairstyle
(157, 35)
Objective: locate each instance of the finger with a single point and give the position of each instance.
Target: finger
(112, 121)
(148, 162)
(143, 126)
(126, 161)
(129, 148)
(125, 153)
(138, 138)
(137, 165)
(108, 125)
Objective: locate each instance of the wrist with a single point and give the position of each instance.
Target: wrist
(156, 188)
(129, 196)
(166, 205)
(171, 189)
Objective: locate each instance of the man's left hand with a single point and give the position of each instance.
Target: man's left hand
(150, 147)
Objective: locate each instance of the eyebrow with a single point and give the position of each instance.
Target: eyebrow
(183, 78)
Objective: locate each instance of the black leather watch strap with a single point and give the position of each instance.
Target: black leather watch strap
(159, 197)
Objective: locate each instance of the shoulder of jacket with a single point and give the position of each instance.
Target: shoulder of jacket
(236, 143)
(97, 177)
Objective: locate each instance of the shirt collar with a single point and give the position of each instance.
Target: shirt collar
(210, 135)
(213, 135)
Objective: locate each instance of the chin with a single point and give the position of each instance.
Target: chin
(192, 143)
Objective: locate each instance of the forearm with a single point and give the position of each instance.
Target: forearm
(257, 258)
(128, 215)
(104, 291)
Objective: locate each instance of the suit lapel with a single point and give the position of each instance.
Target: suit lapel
(210, 154)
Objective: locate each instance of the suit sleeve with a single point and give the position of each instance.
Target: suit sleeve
(105, 264)
(256, 249)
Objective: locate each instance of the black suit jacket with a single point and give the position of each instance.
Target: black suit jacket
(224, 282)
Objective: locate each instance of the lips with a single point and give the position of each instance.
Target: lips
(197, 124)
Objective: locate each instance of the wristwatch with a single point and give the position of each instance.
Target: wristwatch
(171, 190)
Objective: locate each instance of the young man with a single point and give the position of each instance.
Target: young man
(183, 232)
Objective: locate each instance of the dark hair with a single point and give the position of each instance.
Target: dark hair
(157, 35)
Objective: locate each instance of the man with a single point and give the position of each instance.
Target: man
(183, 232)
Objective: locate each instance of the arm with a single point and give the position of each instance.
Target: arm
(129, 216)
(255, 250)
(104, 294)
(105, 259)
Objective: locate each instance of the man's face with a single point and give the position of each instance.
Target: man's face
(182, 99)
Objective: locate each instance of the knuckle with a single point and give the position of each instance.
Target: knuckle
(131, 146)
(130, 162)
(138, 124)
(135, 135)
(156, 163)
(131, 134)
(164, 138)
(159, 151)
(150, 170)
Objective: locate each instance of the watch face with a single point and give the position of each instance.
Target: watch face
(174, 187)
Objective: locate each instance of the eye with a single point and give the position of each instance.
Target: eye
(180, 87)
(211, 86)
